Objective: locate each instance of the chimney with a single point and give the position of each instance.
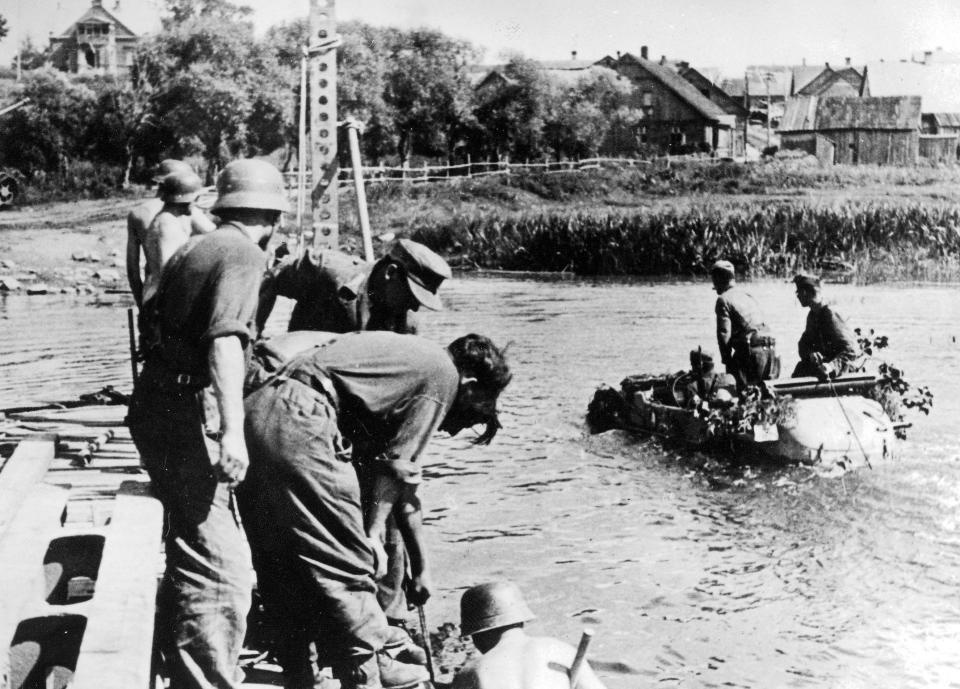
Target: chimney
(573, 54)
(643, 52)
(847, 60)
(618, 55)
(663, 59)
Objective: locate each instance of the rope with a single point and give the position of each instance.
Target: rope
(833, 389)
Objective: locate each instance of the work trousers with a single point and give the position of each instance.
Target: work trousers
(204, 596)
(752, 365)
(301, 507)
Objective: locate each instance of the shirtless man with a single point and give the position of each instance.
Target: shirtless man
(138, 226)
(493, 615)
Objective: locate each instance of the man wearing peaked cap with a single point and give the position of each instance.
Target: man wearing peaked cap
(746, 347)
(339, 293)
(827, 347)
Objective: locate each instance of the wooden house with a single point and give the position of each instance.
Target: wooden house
(96, 42)
(831, 82)
(873, 130)
(675, 116)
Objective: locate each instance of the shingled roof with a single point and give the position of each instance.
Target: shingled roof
(812, 113)
(96, 13)
(680, 86)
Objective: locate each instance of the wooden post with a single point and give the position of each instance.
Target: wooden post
(323, 122)
(469, 167)
(357, 164)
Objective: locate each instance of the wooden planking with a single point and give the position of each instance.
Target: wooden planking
(96, 415)
(22, 548)
(117, 645)
(24, 469)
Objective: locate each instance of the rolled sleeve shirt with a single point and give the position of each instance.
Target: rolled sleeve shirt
(393, 392)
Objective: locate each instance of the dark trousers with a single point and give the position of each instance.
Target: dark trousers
(301, 507)
(753, 365)
(205, 593)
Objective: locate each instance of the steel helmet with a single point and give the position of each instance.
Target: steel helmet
(169, 166)
(180, 187)
(250, 184)
(491, 606)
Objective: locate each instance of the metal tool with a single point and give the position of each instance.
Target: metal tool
(424, 630)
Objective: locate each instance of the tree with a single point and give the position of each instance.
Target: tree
(216, 88)
(512, 111)
(4, 29)
(32, 56)
(581, 116)
(181, 11)
(53, 129)
(429, 91)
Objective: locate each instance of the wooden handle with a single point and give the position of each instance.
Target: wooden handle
(580, 657)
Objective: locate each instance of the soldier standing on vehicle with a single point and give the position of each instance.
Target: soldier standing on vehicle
(746, 347)
(827, 347)
(186, 418)
(493, 615)
(316, 552)
(139, 221)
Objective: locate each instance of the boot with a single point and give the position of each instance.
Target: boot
(401, 647)
(361, 672)
(397, 675)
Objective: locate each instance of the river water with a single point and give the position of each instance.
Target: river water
(769, 578)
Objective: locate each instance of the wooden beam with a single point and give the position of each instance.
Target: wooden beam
(22, 471)
(118, 642)
(22, 548)
(110, 415)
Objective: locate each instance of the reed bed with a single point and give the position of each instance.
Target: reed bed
(880, 241)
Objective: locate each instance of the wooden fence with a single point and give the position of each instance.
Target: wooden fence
(470, 170)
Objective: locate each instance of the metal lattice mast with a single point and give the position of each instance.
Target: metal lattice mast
(323, 122)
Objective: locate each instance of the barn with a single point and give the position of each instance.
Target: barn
(862, 131)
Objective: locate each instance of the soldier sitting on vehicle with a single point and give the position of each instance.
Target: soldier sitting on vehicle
(704, 384)
(827, 348)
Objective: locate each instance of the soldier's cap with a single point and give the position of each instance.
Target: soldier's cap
(806, 280)
(169, 166)
(425, 271)
(724, 267)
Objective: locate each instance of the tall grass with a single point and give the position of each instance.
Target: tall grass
(881, 240)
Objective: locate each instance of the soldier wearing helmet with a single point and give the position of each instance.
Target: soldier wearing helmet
(747, 348)
(186, 418)
(494, 615)
(140, 237)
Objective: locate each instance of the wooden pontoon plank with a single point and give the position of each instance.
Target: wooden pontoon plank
(96, 415)
(117, 645)
(22, 548)
(24, 469)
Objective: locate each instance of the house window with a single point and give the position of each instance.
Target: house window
(647, 99)
(643, 135)
(677, 136)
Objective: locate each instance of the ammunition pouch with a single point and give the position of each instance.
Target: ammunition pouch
(757, 340)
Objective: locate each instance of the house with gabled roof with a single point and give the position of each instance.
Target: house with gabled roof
(830, 82)
(96, 42)
(675, 116)
(853, 130)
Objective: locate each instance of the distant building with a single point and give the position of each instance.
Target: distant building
(853, 130)
(97, 42)
(676, 116)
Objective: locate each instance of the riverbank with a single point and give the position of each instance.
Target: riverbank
(603, 221)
